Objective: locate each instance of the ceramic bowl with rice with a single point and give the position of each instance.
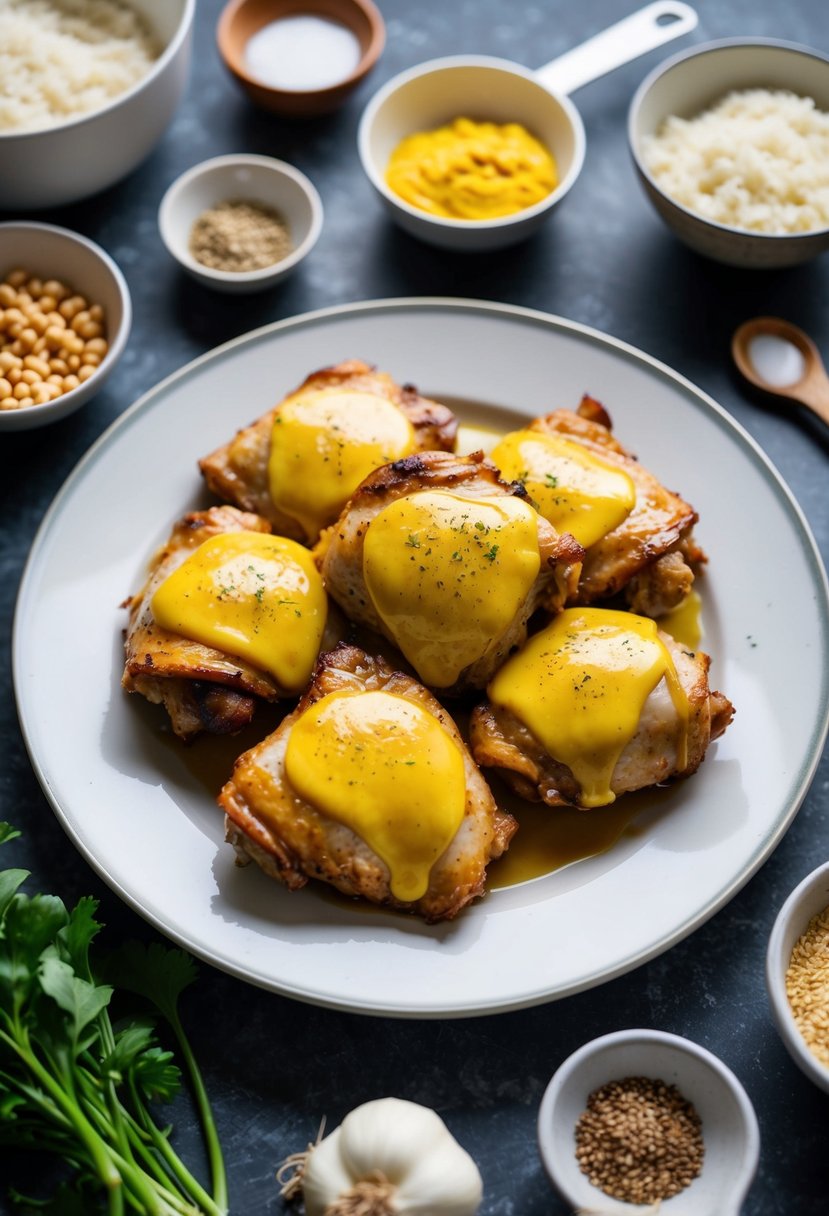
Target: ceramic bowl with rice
(731, 143)
(89, 88)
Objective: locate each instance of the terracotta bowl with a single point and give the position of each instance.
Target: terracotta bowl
(241, 19)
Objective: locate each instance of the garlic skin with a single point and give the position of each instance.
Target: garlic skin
(409, 1146)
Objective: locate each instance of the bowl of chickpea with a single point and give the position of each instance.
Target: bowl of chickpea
(65, 316)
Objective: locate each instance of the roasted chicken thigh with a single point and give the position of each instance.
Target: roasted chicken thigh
(596, 705)
(368, 786)
(297, 465)
(637, 534)
(228, 616)
(448, 562)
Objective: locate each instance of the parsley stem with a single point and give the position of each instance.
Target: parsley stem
(209, 1130)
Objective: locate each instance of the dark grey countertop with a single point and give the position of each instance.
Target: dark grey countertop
(274, 1066)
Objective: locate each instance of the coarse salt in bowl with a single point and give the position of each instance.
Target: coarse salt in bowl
(730, 1132)
(808, 900)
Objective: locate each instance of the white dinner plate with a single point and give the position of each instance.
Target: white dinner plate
(141, 809)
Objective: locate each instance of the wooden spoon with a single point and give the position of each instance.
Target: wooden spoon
(809, 384)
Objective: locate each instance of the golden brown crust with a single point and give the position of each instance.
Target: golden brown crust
(238, 471)
(659, 524)
(339, 553)
(268, 822)
(499, 740)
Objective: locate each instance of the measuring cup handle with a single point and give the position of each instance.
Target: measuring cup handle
(629, 38)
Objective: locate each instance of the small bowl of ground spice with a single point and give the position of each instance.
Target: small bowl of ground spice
(240, 223)
(641, 1116)
(797, 975)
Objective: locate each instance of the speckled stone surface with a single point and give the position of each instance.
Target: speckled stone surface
(273, 1067)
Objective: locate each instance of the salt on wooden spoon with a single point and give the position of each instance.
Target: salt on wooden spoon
(781, 359)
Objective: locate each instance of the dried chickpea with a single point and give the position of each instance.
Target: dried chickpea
(69, 308)
(36, 365)
(51, 339)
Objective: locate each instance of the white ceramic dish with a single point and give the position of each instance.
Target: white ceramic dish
(56, 253)
(689, 83)
(142, 811)
(260, 179)
(729, 1125)
(72, 160)
(808, 898)
(481, 87)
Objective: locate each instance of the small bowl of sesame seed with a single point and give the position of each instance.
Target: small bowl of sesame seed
(797, 975)
(641, 1116)
(240, 223)
(65, 317)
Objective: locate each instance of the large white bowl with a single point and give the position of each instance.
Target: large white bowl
(729, 1125)
(260, 179)
(693, 81)
(809, 898)
(56, 253)
(74, 159)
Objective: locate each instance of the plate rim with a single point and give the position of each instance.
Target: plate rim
(696, 396)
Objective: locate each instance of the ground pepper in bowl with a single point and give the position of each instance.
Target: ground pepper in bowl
(240, 236)
(639, 1140)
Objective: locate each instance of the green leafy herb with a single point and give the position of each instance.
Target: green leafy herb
(77, 1084)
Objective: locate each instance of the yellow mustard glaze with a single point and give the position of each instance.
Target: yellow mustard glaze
(684, 623)
(580, 686)
(447, 575)
(252, 595)
(472, 170)
(322, 446)
(385, 767)
(574, 489)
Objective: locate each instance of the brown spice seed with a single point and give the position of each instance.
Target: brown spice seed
(639, 1140)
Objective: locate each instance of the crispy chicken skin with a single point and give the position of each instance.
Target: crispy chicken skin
(202, 689)
(499, 740)
(339, 553)
(269, 823)
(651, 556)
(237, 472)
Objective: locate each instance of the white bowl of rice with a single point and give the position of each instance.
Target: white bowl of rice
(89, 87)
(731, 143)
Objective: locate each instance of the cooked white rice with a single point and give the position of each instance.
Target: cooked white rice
(63, 58)
(758, 160)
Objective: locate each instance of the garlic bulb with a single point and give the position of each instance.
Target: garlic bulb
(388, 1157)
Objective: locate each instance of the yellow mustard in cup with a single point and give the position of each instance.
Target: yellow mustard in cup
(470, 170)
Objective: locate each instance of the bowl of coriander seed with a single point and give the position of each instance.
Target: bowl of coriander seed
(637, 1117)
(240, 223)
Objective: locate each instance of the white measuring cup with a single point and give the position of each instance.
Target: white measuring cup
(483, 87)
